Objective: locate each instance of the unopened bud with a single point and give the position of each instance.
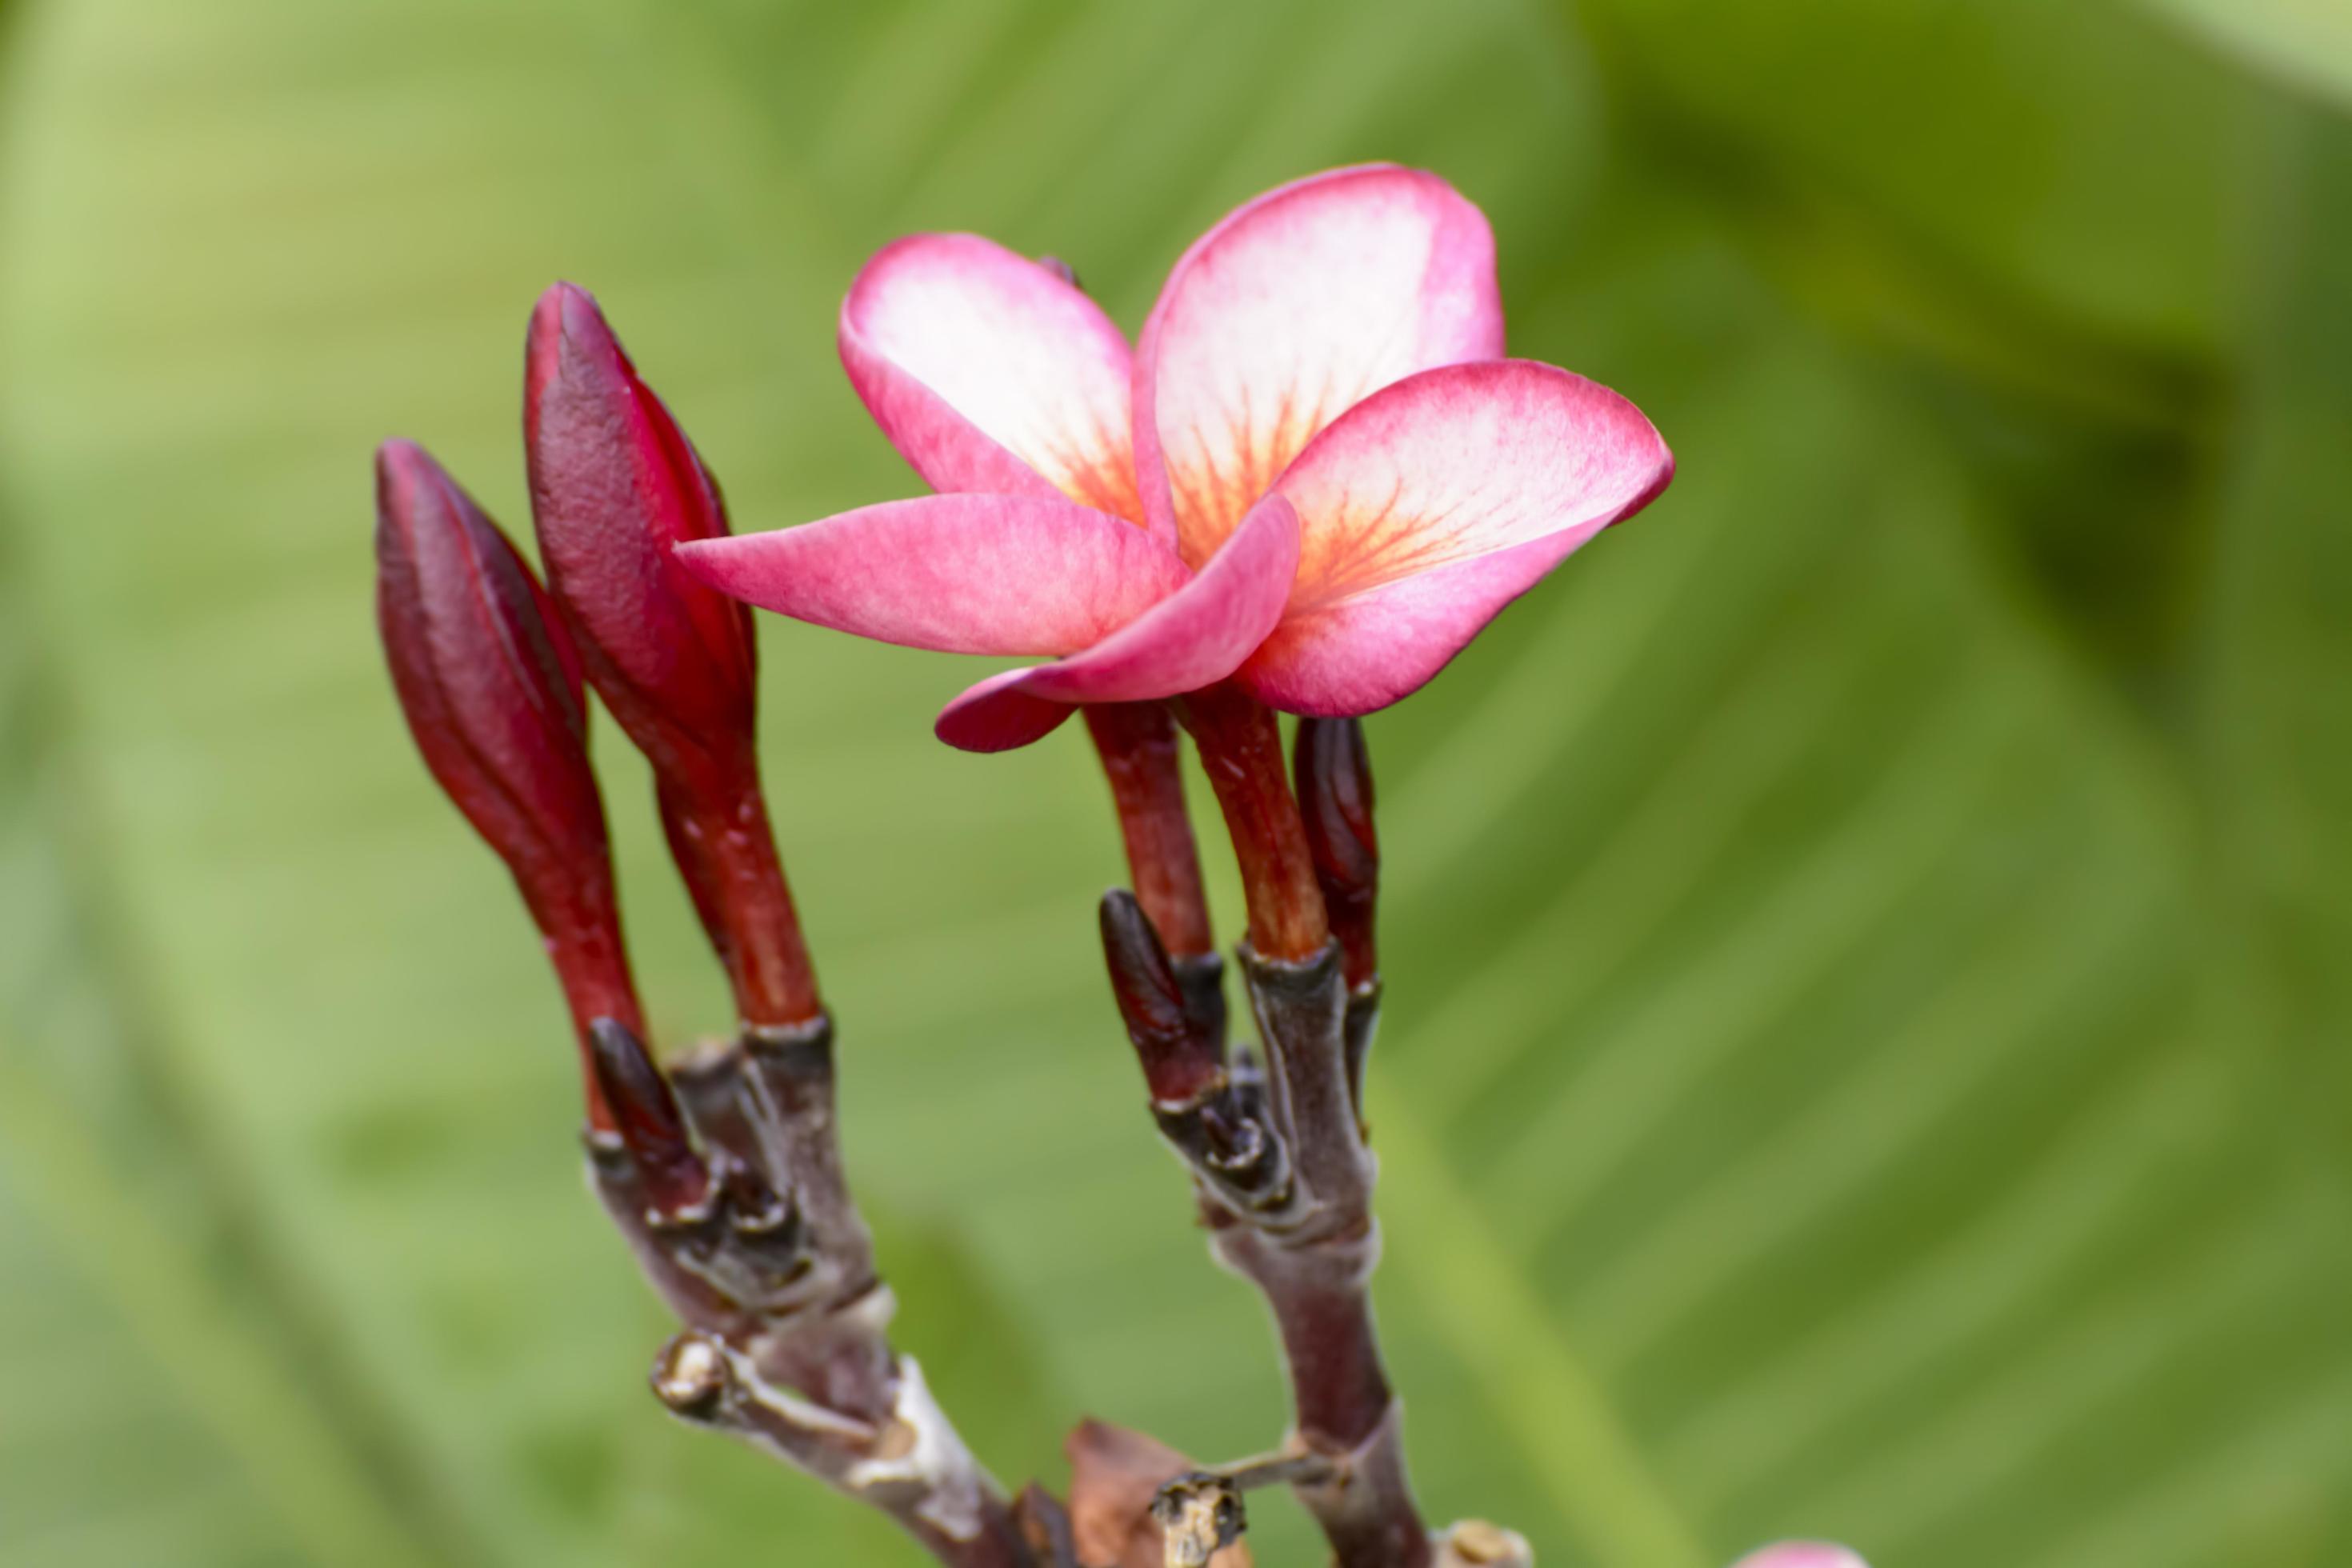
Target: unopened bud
(1177, 1047)
(1333, 769)
(616, 486)
(647, 1116)
(491, 688)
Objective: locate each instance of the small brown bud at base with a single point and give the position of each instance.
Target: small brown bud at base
(1180, 1054)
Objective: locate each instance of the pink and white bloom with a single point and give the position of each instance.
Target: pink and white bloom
(1314, 472)
(1801, 1554)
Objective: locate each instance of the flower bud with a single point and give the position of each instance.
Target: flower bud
(1334, 772)
(647, 1116)
(491, 688)
(614, 485)
(1181, 1051)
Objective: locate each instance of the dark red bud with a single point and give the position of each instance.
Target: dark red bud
(1179, 1051)
(614, 484)
(490, 686)
(645, 1115)
(1333, 768)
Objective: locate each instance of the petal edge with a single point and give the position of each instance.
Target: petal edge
(998, 715)
(990, 372)
(1431, 506)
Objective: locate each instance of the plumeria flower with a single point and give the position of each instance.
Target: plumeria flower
(1314, 473)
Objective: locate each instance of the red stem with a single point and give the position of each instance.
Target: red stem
(1137, 744)
(726, 850)
(583, 943)
(1240, 743)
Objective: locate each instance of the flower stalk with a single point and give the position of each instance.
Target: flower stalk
(1276, 1146)
(1140, 756)
(1241, 750)
(725, 851)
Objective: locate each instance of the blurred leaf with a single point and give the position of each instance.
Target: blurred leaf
(171, 1402)
(2040, 209)
(1830, 1084)
(2279, 729)
(2043, 191)
(1836, 1068)
(2307, 42)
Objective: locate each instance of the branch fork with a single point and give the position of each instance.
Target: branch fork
(910, 1464)
(729, 1191)
(724, 1175)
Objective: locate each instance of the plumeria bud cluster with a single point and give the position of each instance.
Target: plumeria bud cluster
(489, 668)
(725, 1178)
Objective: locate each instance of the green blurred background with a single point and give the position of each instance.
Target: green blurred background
(1870, 1048)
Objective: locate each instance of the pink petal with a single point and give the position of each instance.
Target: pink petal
(1801, 1554)
(1284, 315)
(958, 573)
(990, 372)
(1432, 505)
(997, 715)
(1197, 634)
(1194, 637)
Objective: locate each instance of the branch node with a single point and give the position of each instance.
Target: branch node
(689, 1377)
